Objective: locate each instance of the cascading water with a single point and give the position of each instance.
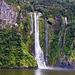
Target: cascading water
(62, 38)
(39, 57)
(31, 23)
(46, 41)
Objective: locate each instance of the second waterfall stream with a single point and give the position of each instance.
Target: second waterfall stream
(39, 57)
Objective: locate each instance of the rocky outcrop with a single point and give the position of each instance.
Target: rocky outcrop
(7, 14)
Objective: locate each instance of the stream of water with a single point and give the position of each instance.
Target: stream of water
(31, 23)
(39, 57)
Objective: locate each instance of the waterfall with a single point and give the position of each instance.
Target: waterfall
(65, 20)
(46, 41)
(31, 23)
(39, 57)
(62, 38)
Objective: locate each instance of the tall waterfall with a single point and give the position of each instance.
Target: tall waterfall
(62, 38)
(31, 23)
(39, 57)
(46, 41)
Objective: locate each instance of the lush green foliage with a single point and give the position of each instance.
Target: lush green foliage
(42, 33)
(17, 45)
(13, 50)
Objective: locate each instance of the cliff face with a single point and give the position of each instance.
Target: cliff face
(7, 14)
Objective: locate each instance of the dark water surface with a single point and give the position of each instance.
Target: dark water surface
(36, 72)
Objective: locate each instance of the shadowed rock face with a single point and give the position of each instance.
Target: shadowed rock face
(65, 63)
(7, 14)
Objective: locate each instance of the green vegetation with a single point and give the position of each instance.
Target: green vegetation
(42, 33)
(16, 43)
(13, 51)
